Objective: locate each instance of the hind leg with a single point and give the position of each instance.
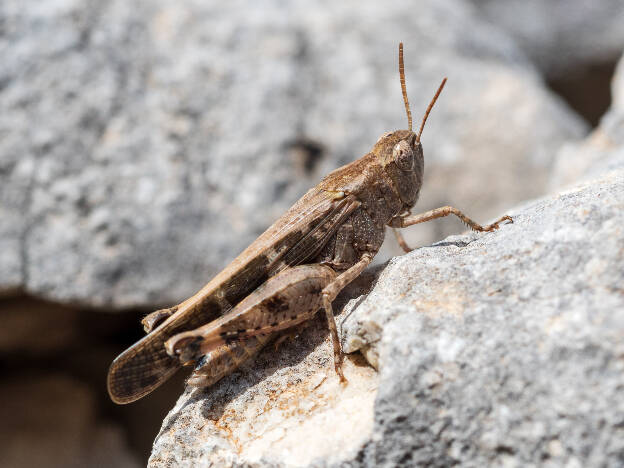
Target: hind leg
(329, 294)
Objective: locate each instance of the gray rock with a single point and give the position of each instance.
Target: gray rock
(560, 35)
(144, 145)
(602, 151)
(504, 349)
(287, 407)
(496, 349)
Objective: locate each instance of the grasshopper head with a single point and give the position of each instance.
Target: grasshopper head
(401, 156)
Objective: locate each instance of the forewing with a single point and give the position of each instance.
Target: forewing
(301, 231)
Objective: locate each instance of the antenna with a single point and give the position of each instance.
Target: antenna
(431, 104)
(403, 88)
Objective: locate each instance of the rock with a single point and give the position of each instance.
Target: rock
(287, 407)
(561, 35)
(144, 145)
(503, 349)
(602, 151)
(493, 349)
(50, 420)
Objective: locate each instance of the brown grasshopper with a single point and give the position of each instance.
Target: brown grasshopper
(296, 267)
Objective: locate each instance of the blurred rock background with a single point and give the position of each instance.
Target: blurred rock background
(143, 145)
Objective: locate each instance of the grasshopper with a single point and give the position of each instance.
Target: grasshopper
(295, 268)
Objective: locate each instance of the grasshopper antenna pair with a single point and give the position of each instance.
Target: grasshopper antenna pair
(406, 100)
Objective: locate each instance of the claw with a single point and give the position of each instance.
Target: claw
(343, 379)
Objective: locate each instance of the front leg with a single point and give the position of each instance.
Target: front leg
(329, 294)
(409, 220)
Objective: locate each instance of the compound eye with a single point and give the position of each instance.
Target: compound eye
(403, 154)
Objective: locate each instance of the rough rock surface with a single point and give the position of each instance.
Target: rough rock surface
(288, 402)
(504, 349)
(288, 408)
(497, 349)
(143, 145)
(559, 35)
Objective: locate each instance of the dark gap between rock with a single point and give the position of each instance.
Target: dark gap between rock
(83, 355)
(306, 153)
(586, 89)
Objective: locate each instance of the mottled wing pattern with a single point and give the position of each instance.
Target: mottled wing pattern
(284, 300)
(146, 365)
(225, 359)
